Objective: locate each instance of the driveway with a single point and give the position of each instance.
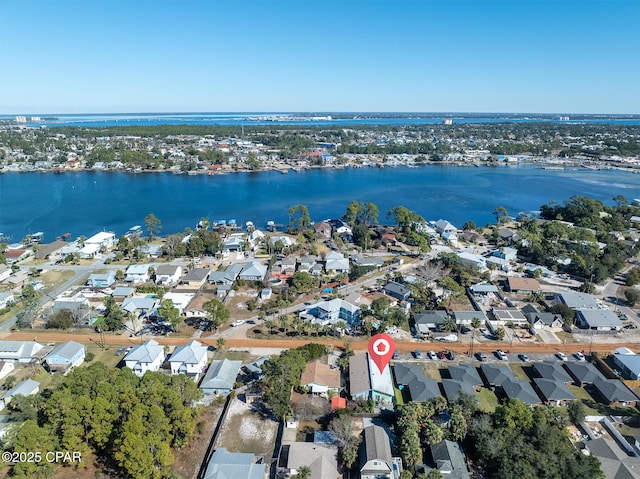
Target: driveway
(548, 336)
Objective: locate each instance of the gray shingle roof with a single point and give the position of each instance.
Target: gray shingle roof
(376, 444)
(359, 374)
(553, 390)
(466, 373)
(423, 389)
(552, 370)
(521, 390)
(67, 350)
(222, 374)
(146, 352)
(497, 374)
(613, 390)
(584, 372)
(449, 459)
(454, 388)
(190, 353)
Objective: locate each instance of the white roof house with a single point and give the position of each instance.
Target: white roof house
(336, 262)
(19, 351)
(190, 359)
(137, 273)
(168, 274)
(179, 300)
(103, 238)
(144, 357)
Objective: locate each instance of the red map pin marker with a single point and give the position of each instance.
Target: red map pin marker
(381, 348)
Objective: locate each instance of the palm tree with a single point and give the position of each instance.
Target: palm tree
(270, 324)
(304, 473)
(220, 342)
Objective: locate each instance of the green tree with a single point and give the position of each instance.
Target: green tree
(217, 313)
(501, 214)
(304, 472)
(299, 219)
(153, 225)
(31, 438)
(500, 333)
(61, 319)
(169, 312)
(632, 295)
(576, 411)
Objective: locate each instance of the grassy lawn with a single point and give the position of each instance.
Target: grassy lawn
(518, 371)
(431, 370)
(595, 408)
(566, 337)
(399, 396)
(488, 400)
(235, 356)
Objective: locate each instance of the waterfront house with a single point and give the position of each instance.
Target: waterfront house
(220, 377)
(102, 280)
(235, 465)
(375, 460)
(319, 378)
(196, 278)
(137, 273)
(15, 255)
(144, 357)
(168, 274)
(253, 271)
(104, 239)
(5, 272)
(322, 229)
(443, 226)
(190, 359)
(65, 356)
(19, 351)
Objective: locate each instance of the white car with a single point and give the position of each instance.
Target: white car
(237, 322)
(432, 355)
(561, 356)
(579, 356)
(502, 355)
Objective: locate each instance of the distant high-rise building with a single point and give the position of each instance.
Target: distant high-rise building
(447, 121)
(21, 119)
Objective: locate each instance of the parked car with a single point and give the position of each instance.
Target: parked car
(418, 354)
(501, 355)
(441, 355)
(120, 351)
(432, 355)
(450, 355)
(481, 356)
(237, 322)
(579, 356)
(561, 356)
(396, 354)
(523, 357)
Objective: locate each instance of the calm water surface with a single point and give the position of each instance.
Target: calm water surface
(84, 203)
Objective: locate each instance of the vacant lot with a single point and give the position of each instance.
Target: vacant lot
(245, 430)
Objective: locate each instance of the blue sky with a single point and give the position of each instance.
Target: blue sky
(73, 56)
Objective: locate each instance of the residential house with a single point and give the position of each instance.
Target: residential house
(233, 244)
(615, 463)
(597, 319)
(443, 226)
(495, 375)
(539, 320)
(104, 239)
(367, 261)
(336, 263)
(428, 321)
(322, 229)
(6, 299)
(319, 378)
(180, 300)
(139, 305)
(78, 305)
(121, 293)
(220, 377)
(320, 458)
(614, 392)
(583, 373)
(474, 261)
(253, 271)
(15, 255)
(576, 300)
(367, 382)
(448, 458)
(144, 357)
(190, 359)
(5, 272)
(288, 265)
(332, 311)
(483, 289)
(6, 367)
(553, 391)
(226, 277)
(19, 351)
(473, 237)
(628, 362)
(510, 316)
(521, 390)
(507, 253)
(65, 356)
(466, 373)
(375, 460)
(102, 280)
(235, 465)
(168, 274)
(397, 290)
(552, 370)
(522, 285)
(507, 235)
(454, 389)
(412, 378)
(196, 278)
(137, 273)
(465, 318)
(28, 387)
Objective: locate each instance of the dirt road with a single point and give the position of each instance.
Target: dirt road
(403, 346)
